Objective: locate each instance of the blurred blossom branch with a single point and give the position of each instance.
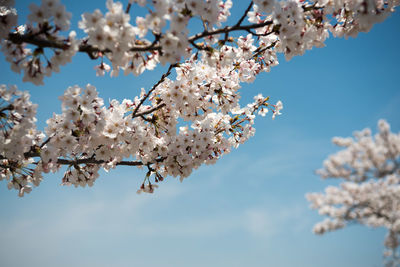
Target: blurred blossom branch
(370, 195)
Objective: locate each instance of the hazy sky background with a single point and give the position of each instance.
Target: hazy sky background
(249, 208)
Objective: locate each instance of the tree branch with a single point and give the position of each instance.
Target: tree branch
(42, 42)
(94, 161)
(128, 7)
(34, 39)
(9, 107)
(91, 160)
(165, 75)
(150, 110)
(228, 29)
(244, 14)
(260, 51)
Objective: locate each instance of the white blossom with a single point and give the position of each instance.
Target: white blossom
(180, 123)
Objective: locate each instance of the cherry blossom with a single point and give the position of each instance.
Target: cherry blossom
(18, 139)
(179, 123)
(370, 195)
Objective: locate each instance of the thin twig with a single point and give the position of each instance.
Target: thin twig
(165, 75)
(45, 142)
(150, 110)
(264, 49)
(245, 14)
(229, 29)
(128, 7)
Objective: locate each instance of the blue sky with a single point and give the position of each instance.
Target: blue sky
(249, 208)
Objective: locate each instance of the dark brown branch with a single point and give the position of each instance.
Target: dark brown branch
(17, 38)
(128, 7)
(40, 41)
(147, 119)
(9, 107)
(165, 75)
(45, 142)
(245, 14)
(197, 46)
(91, 160)
(150, 110)
(94, 161)
(34, 39)
(260, 34)
(229, 29)
(259, 51)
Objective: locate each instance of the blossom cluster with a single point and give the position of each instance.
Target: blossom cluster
(371, 194)
(45, 21)
(112, 32)
(127, 47)
(18, 136)
(162, 36)
(364, 157)
(180, 123)
(8, 17)
(87, 136)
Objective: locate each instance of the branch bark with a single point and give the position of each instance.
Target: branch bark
(34, 39)
(42, 42)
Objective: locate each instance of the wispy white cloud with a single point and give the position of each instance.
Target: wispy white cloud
(130, 215)
(161, 216)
